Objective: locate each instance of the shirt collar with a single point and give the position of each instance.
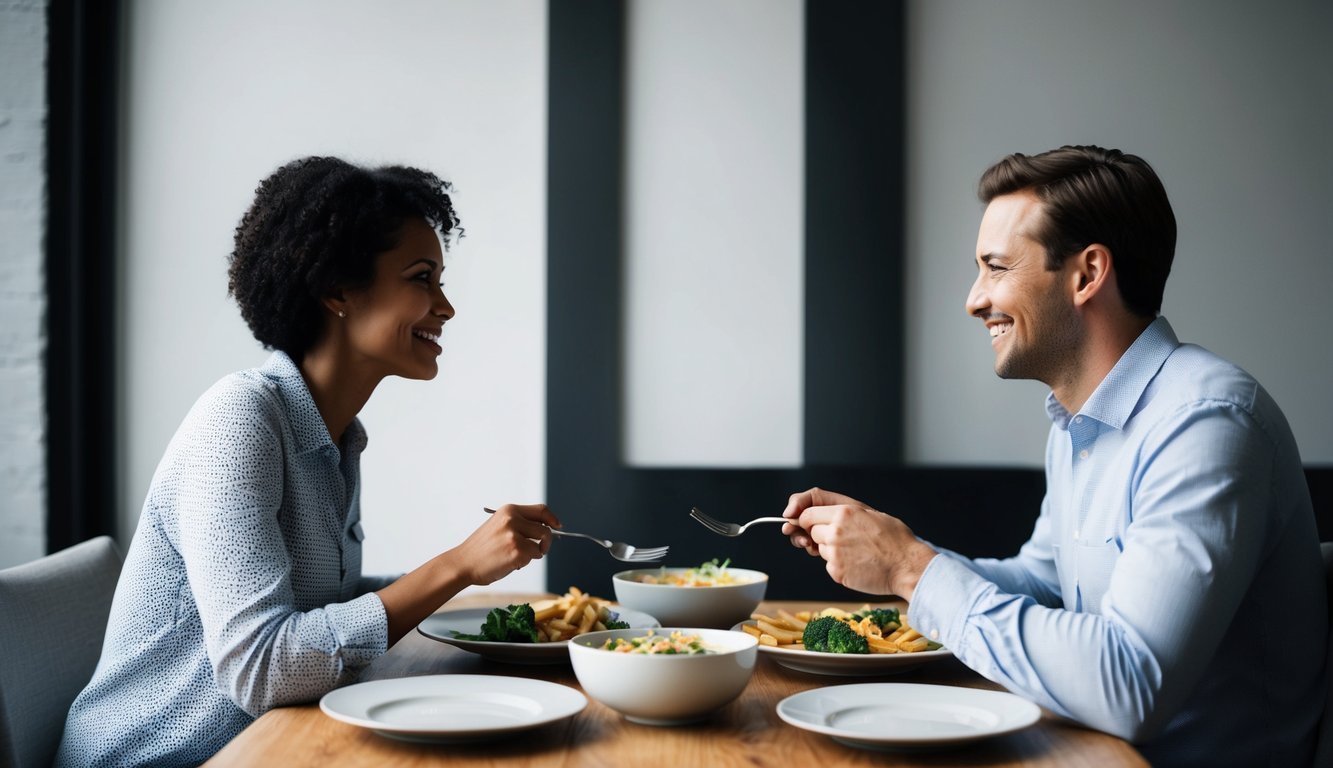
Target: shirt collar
(308, 426)
(1113, 402)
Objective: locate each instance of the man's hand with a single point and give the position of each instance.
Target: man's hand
(863, 548)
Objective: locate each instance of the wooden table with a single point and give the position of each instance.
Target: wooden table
(746, 732)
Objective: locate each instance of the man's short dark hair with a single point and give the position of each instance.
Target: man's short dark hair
(315, 227)
(1095, 195)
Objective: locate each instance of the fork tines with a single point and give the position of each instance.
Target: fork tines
(649, 553)
(711, 524)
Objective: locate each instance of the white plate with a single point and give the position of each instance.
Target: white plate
(452, 707)
(892, 716)
(442, 626)
(848, 664)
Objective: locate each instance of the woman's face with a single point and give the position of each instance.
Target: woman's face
(394, 324)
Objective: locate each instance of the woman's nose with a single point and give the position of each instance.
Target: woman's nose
(442, 307)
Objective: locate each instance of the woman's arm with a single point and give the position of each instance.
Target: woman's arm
(514, 536)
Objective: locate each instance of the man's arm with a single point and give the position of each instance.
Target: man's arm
(1198, 525)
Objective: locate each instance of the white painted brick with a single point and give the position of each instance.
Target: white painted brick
(22, 296)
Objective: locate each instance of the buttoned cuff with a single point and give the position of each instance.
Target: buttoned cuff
(361, 629)
(943, 600)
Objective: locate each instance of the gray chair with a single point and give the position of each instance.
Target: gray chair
(1324, 749)
(53, 614)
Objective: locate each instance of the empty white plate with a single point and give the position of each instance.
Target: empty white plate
(452, 707)
(907, 715)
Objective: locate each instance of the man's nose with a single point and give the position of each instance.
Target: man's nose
(976, 298)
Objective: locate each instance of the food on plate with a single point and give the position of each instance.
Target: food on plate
(655, 644)
(710, 574)
(548, 621)
(833, 630)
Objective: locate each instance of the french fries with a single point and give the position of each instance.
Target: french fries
(785, 630)
(572, 614)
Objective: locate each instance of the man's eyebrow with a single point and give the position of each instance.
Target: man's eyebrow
(985, 258)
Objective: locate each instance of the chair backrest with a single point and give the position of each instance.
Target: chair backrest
(1324, 748)
(53, 615)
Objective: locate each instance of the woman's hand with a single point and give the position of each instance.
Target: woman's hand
(514, 536)
(863, 548)
(511, 538)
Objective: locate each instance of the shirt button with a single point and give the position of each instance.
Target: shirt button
(934, 634)
(1078, 419)
(1083, 454)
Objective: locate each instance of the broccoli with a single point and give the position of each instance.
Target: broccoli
(882, 617)
(613, 621)
(815, 637)
(826, 634)
(515, 624)
(843, 639)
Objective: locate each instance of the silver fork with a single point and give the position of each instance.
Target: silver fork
(618, 549)
(730, 529)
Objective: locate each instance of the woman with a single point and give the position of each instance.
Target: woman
(242, 589)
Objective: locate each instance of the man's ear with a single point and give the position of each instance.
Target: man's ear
(1093, 271)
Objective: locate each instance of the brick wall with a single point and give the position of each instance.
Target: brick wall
(22, 299)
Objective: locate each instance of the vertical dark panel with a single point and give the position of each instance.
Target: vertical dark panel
(853, 423)
(586, 55)
(854, 261)
(82, 93)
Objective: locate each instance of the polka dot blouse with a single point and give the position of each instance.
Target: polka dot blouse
(242, 590)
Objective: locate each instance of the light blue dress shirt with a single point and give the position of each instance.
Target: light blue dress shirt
(1172, 591)
(242, 589)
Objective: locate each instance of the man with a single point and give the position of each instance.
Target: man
(1172, 590)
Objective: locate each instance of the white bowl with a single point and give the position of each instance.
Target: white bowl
(720, 607)
(664, 689)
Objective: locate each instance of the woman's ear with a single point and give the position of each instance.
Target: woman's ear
(336, 304)
(1093, 273)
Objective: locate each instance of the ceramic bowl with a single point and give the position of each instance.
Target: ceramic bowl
(664, 689)
(719, 607)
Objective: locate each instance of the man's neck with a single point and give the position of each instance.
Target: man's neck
(1105, 343)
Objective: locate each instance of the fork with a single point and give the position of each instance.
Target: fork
(730, 529)
(618, 549)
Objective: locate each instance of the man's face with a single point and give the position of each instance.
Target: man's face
(1031, 319)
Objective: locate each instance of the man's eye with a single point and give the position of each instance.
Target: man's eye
(995, 267)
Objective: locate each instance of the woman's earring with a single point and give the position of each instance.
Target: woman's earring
(342, 313)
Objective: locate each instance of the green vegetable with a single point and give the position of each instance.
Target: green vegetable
(711, 569)
(826, 634)
(515, 624)
(815, 637)
(843, 639)
(882, 617)
(613, 622)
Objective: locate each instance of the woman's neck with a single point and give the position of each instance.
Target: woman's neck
(339, 390)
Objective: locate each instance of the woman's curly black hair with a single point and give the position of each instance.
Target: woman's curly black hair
(315, 228)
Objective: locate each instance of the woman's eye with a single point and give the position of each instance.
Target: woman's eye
(423, 277)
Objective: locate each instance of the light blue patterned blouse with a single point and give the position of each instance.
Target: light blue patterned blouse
(242, 590)
(1172, 592)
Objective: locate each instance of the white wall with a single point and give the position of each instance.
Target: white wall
(1232, 104)
(219, 95)
(714, 227)
(1229, 101)
(22, 297)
